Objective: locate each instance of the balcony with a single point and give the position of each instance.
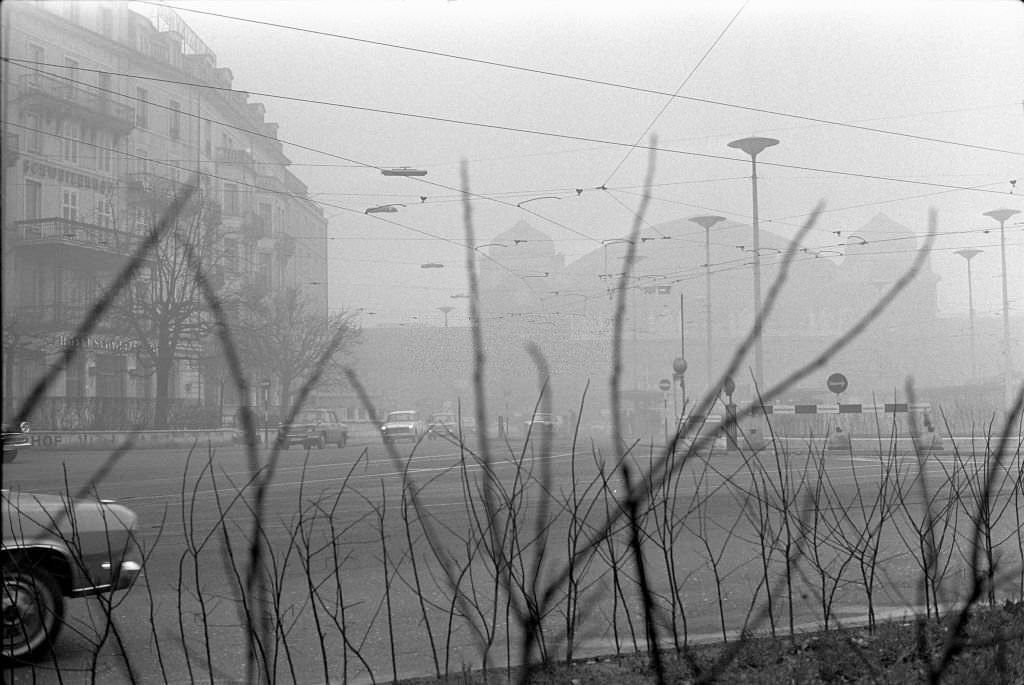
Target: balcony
(74, 235)
(60, 316)
(51, 94)
(229, 155)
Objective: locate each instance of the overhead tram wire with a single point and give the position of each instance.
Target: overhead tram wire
(582, 79)
(512, 129)
(670, 101)
(263, 135)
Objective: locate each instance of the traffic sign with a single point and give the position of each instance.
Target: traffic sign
(729, 386)
(837, 383)
(665, 384)
(679, 366)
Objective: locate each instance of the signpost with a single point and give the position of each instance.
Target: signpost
(265, 391)
(665, 385)
(729, 387)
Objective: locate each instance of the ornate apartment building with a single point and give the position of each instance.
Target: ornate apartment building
(107, 112)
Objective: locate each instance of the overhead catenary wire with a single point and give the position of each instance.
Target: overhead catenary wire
(582, 79)
(513, 129)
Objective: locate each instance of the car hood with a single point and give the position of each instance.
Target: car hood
(26, 513)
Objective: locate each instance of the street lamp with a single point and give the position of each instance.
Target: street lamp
(383, 209)
(707, 222)
(753, 147)
(1001, 215)
(969, 254)
(403, 171)
(446, 309)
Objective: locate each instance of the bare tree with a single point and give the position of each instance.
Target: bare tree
(282, 336)
(163, 307)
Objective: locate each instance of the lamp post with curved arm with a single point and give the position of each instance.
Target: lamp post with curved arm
(707, 222)
(969, 254)
(753, 147)
(1001, 215)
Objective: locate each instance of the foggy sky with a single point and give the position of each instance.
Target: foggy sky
(940, 70)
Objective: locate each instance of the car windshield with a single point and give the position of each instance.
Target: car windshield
(402, 416)
(307, 417)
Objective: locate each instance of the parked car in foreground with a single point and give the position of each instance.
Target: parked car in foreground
(55, 547)
(403, 425)
(14, 439)
(314, 428)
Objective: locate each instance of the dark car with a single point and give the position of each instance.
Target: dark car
(14, 439)
(448, 424)
(56, 547)
(315, 428)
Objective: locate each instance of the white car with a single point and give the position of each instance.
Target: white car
(55, 547)
(403, 425)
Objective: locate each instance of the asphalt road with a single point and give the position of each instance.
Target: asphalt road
(342, 572)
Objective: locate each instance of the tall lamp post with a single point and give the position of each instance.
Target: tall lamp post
(754, 146)
(707, 222)
(1001, 215)
(446, 309)
(969, 254)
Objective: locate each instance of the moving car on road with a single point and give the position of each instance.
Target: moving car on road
(543, 422)
(55, 547)
(448, 424)
(314, 428)
(403, 425)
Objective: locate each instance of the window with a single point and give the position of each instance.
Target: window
(232, 203)
(107, 22)
(104, 158)
(69, 204)
(34, 133)
(231, 255)
(74, 377)
(111, 371)
(33, 200)
(175, 129)
(266, 214)
(38, 55)
(142, 108)
(71, 72)
(140, 222)
(105, 91)
(104, 212)
(69, 142)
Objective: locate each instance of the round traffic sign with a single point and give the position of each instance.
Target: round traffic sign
(836, 383)
(679, 365)
(665, 384)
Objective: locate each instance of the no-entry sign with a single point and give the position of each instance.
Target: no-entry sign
(837, 383)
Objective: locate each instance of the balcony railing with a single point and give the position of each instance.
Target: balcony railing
(229, 155)
(56, 315)
(57, 231)
(96, 106)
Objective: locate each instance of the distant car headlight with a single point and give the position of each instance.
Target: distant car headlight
(24, 427)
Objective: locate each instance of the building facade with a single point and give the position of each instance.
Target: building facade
(109, 112)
